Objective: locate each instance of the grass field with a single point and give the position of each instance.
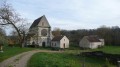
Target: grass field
(63, 60)
(106, 49)
(70, 58)
(54, 60)
(11, 51)
(109, 49)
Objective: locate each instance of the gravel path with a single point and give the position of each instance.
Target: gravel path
(21, 60)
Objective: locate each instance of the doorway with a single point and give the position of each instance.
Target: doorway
(43, 44)
(64, 45)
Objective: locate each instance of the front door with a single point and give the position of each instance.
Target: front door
(64, 45)
(43, 44)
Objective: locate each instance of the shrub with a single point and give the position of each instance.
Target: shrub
(107, 63)
(31, 46)
(56, 48)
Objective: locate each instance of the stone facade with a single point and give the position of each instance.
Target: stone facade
(40, 33)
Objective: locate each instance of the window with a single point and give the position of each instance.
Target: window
(44, 32)
(55, 44)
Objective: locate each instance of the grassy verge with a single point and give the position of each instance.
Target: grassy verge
(70, 58)
(44, 48)
(63, 60)
(106, 49)
(11, 51)
(53, 60)
(109, 49)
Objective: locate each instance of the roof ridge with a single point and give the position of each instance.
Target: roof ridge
(35, 22)
(93, 39)
(57, 38)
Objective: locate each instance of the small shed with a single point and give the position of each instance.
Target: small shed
(60, 42)
(91, 41)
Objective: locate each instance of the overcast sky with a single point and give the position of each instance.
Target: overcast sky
(71, 14)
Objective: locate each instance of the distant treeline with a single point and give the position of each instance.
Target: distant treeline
(110, 34)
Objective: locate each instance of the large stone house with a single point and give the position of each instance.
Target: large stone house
(60, 42)
(40, 33)
(91, 42)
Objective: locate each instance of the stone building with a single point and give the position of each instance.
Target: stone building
(60, 42)
(40, 33)
(91, 42)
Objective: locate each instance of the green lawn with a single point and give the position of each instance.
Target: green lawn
(11, 51)
(106, 49)
(63, 60)
(109, 49)
(53, 60)
(69, 58)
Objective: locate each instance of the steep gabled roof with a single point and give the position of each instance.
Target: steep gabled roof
(57, 38)
(36, 22)
(93, 38)
(40, 20)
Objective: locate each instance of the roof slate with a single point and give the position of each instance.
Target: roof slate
(93, 38)
(57, 38)
(36, 22)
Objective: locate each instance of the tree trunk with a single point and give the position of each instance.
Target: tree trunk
(19, 35)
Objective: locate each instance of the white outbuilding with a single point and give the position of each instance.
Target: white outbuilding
(60, 42)
(91, 42)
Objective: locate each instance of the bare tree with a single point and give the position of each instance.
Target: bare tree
(2, 39)
(8, 16)
(23, 29)
(13, 33)
(56, 32)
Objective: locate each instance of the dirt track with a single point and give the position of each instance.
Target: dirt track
(21, 60)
